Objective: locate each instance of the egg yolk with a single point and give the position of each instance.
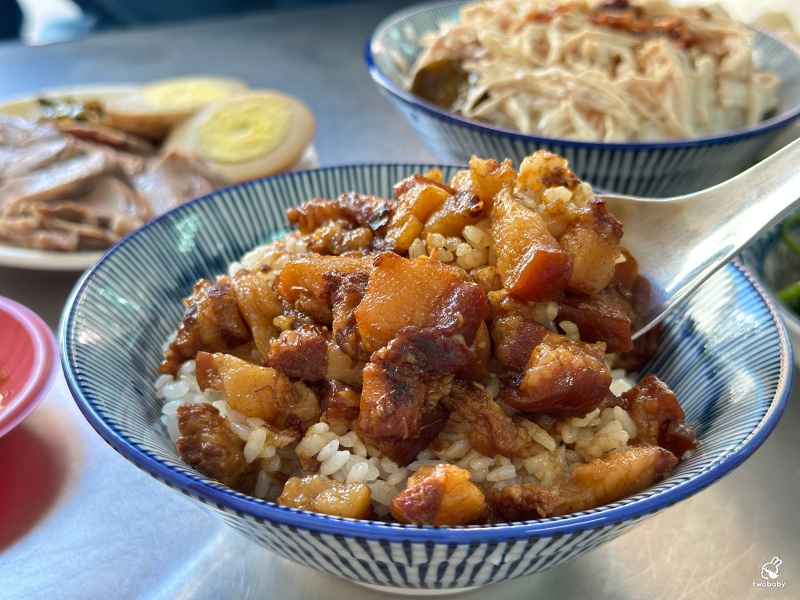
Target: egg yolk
(244, 129)
(184, 94)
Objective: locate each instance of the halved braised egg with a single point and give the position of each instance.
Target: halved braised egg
(153, 110)
(250, 136)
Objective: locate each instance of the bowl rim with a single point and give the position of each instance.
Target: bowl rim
(773, 123)
(45, 365)
(202, 489)
(749, 260)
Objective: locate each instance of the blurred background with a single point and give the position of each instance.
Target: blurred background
(37, 22)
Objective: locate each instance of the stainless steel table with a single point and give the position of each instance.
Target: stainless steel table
(78, 521)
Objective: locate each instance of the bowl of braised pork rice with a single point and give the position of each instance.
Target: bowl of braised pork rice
(417, 376)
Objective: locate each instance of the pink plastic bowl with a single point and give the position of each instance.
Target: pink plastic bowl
(28, 362)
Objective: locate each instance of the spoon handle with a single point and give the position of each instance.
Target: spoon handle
(748, 205)
(680, 242)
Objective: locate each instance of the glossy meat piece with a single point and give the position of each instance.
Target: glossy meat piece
(404, 451)
(208, 444)
(455, 213)
(310, 275)
(259, 306)
(391, 398)
(430, 351)
(493, 431)
(643, 349)
(440, 495)
(339, 403)
(339, 238)
(287, 407)
(211, 323)
(319, 494)
(417, 198)
(346, 292)
(531, 263)
(604, 317)
(601, 481)
(300, 354)
(395, 380)
(341, 367)
(593, 239)
(514, 340)
(658, 416)
(359, 210)
(562, 378)
(485, 179)
(423, 293)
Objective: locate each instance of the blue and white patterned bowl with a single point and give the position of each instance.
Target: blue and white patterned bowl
(724, 352)
(668, 168)
(775, 266)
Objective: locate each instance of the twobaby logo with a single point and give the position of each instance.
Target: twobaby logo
(769, 573)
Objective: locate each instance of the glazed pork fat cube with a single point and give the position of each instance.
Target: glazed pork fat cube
(531, 263)
(440, 495)
(208, 444)
(604, 317)
(593, 239)
(306, 282)
(300, 353)
(211, 323)
(455, 213)
(485, 178)
(306, 275)
(263, 392)
(658, 416)
(318, 494)
(421, 292)
(258, 306)
(563, 378)
(417, 198)
(358, 210)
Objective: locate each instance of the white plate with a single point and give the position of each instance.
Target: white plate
(28, 107)
(41, 260)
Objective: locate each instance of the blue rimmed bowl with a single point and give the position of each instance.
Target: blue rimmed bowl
(724, 352)
(667, 168)
(774, 265)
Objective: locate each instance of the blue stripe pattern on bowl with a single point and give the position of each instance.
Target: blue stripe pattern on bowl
(724, 352)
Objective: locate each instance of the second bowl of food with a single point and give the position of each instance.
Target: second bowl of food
(397, 373)
(642, 98)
